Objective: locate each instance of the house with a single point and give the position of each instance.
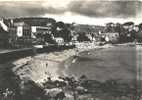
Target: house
(37, 25)
(3, 34)
(112, 37)
(26, 31)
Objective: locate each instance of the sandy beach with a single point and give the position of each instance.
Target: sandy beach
(99, 63)
(42, 66)
(103, 61)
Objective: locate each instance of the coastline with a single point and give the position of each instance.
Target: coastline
(53, 64)
(42, 66)
(38, 68)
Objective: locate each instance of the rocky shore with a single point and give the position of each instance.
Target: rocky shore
(97, 66)
(41, 66)
(54, 64)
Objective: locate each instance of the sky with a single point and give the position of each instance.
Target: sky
(97, 12)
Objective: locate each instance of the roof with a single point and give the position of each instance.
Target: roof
(34, 21)
(19, 24)
(128, 23)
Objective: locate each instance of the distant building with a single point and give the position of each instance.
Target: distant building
(112, 37)
(27, 31)
(3, 34)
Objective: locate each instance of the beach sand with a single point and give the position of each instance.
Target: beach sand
(98, 63)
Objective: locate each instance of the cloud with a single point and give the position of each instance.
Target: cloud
(89, 8)
(28, 8)
(94, 8)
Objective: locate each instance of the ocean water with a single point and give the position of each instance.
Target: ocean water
(117, 63)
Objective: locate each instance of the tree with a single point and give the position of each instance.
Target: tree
(82, 37)
(128, 23)
(110, 27)
(63, 31)
(140, 26)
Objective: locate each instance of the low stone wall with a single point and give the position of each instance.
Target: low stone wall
(20, 53)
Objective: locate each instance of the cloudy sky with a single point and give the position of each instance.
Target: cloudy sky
(79, 11)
